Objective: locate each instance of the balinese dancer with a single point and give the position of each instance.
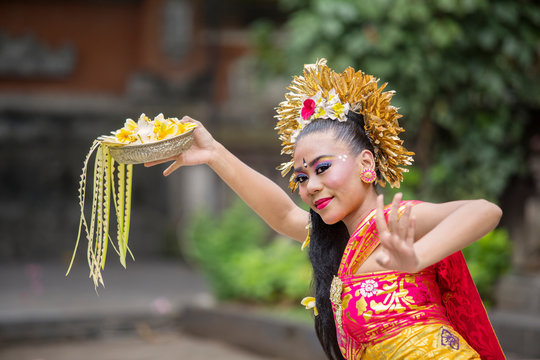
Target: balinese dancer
(390, 281)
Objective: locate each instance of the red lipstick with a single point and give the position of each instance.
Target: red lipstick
(322, 203)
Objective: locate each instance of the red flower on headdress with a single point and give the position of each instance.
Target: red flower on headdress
(308, 109)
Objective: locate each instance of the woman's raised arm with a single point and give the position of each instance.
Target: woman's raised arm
(264, 196)
(427, 233)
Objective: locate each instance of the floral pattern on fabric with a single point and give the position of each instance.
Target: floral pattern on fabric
(369, 288)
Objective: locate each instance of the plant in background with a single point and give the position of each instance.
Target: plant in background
(465, 72)
(241, 264)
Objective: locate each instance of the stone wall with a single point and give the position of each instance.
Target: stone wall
(41, 156)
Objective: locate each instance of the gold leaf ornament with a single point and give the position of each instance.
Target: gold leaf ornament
(356, 92)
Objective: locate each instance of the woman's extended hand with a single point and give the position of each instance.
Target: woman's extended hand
(199, 153)
(396, 237)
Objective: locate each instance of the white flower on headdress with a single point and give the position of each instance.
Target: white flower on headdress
(335, 108)
(319, 99)
(321, 113)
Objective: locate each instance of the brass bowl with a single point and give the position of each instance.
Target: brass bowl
(157, 150)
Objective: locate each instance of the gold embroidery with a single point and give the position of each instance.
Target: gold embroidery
(346, 299)
(397, 296)
(361, 305)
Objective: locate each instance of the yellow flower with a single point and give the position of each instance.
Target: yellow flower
(166, 130)
(158, 122)
(338, 108)
(174, 120)
(125, 136)
(309, 303)
(184, 127)
(131, 125)
(320, 113)
(308, 237)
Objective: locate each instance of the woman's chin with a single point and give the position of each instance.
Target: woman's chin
(330, 220)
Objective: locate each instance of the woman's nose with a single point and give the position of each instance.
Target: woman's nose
(314, 186)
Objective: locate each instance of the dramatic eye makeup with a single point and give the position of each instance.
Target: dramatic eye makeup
(300, 178)
(323, 164)
(320, 163)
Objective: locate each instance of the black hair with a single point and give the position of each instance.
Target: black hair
(350, 132)
(328, 242)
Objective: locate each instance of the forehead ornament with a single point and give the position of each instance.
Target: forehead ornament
(321, 93)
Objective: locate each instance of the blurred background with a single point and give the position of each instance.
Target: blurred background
(467, 78)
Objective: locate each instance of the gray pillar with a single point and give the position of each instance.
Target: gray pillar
(517, 316)
(191, 190)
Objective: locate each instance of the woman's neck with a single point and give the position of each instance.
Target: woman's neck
(369, 203)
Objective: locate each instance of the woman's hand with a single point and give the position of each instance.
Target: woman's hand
(396, 237)
(199, 153)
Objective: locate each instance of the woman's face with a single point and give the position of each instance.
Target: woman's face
(328, 177)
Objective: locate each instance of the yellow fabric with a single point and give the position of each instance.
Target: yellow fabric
(422, 342)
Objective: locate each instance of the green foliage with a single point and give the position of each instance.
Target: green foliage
(488, 259)
(465, 71)
(240, 264)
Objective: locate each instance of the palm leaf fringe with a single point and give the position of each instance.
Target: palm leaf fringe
(97, 230)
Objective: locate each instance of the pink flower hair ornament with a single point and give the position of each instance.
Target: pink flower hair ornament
(308, 109)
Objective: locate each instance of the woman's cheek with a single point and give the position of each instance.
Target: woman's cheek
(336, 178)
(303, 194)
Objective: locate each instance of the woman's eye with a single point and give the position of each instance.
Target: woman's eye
(322, 168)
(300, 178)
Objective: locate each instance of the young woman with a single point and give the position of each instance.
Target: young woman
(390, 282)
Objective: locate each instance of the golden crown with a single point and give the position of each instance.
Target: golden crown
(324, 94)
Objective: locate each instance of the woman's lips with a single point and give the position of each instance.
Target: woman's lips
(322, 203)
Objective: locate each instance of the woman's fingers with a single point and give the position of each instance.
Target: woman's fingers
(186, 118)
(410, 232)
(396, 237)
(394, 212)
(157, 162)
(175, 165)
(404, 221)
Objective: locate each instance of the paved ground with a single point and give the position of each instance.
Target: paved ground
(161, 345)
(47, 316)
(42, 291)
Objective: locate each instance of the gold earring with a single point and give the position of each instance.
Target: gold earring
(368, 176)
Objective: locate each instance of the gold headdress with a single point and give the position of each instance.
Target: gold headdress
(322, 93)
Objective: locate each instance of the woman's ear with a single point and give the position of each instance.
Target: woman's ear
(366, 160)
